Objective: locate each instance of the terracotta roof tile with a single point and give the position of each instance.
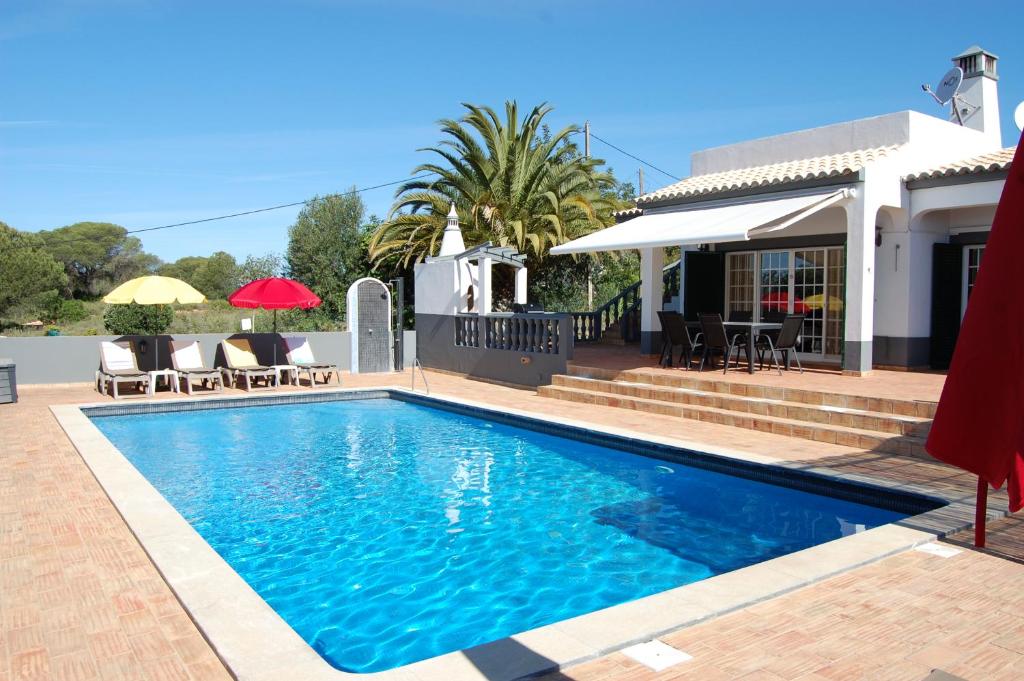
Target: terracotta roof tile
(984, 163)
(818, 167)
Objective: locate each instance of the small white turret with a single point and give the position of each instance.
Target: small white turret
(451, 242)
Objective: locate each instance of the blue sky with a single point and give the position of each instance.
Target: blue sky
(149, 112)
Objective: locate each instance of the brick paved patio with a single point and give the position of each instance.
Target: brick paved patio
(79, 598)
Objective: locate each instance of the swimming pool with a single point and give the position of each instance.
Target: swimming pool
(386, 532)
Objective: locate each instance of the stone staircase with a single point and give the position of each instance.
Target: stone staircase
(880, 424)
(612, 335)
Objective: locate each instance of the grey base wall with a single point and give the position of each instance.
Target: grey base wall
(900, 352)
(857, 356)
(650, 342)
(436, 349)
(73, 359)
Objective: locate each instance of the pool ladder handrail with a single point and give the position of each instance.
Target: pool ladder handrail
(416, 365)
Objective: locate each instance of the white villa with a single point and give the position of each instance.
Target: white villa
(882, 221)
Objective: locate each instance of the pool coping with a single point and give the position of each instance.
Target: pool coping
(256, 644)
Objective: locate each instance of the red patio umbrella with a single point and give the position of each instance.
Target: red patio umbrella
(274, 293)
(779, 301)
(979, 423)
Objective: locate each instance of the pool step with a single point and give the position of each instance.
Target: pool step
(711, 382)
(692, 405)
(896, 424)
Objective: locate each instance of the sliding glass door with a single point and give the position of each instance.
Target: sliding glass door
(809, 281)
(809, 298)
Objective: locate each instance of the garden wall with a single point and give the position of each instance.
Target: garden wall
(74, 359)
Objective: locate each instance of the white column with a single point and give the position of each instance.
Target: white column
(521, 286)
(652, 260)
(860, 282)
(484, 276)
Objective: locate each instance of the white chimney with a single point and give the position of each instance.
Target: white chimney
(451, 242)
(979, 92)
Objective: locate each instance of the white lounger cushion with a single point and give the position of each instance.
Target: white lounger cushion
(299, 351)
(189, 357)
(117, 357)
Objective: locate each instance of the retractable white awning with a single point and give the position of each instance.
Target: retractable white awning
(710, 224)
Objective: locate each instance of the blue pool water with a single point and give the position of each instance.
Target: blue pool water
(386, 532)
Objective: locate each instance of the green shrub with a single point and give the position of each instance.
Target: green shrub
(146, 320)
(71, 311)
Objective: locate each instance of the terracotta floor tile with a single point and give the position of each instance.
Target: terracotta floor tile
(80, 596)
(76, 666)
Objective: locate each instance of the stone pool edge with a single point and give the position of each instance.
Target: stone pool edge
(256, 644)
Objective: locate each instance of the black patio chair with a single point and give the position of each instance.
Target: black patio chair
(716, 339)
(785, 342)
(675, 335)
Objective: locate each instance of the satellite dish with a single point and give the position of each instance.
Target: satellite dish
(949, 85)
(948, 91)
(1018, 116)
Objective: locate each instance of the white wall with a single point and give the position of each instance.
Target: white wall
(904, 296)
(958, 196)
(437, 287)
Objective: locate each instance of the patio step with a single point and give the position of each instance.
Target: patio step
(711, 382)
(817, 414)
(908, 445)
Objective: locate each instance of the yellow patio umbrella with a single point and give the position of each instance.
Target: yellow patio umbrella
(154, 290)
(821, 300)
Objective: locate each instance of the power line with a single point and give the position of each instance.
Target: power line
(355, 191)
(635, 158)
(234, 215)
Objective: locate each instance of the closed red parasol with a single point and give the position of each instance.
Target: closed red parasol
(979, 424)
(274, 293)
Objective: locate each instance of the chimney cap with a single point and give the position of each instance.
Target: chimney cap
(973, 50)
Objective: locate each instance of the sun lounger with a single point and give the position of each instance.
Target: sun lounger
(242, 364)
(300, 355)
(187, 360)
(118, 365)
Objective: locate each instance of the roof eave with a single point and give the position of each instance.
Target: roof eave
(756, 190)
(946, 180)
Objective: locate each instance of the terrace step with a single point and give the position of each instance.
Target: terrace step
(710, 382)
(817, 414)
(907, 445)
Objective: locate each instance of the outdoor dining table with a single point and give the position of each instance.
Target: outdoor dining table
(752, 329)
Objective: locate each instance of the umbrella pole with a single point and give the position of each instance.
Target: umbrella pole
(980, 511)
(275, 333)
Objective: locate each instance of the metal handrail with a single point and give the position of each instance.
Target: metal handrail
(624, 303)
(416, 365)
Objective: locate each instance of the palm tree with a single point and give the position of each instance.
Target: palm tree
(512, 182)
